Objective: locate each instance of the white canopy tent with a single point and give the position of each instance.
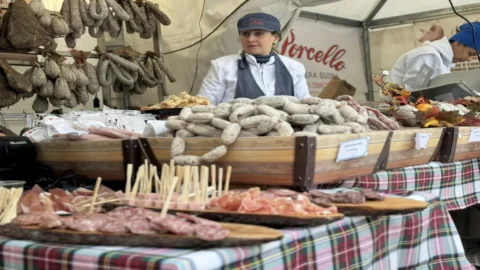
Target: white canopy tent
(220, 17)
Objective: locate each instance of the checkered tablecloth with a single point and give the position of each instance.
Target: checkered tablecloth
(457, 184)
(422, 240)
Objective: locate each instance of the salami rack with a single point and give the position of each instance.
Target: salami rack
(177, 187)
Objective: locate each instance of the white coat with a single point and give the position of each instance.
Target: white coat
(411, 69)
(220, 83)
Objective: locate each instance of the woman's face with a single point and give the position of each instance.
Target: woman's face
(462, 53)
(257, 42)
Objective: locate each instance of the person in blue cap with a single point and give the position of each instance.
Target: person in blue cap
(258, 70)
(434, 58)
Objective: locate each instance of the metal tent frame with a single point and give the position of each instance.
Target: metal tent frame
(370, 23)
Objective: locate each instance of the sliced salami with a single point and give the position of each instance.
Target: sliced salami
(115, 226)
(322, 201)
(28, 219)
(198, 220)
(281, 192)
(372, 195)
(209, 233)
(179, 226)
(140, 226)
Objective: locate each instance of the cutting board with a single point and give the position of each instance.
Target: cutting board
(273, 221)
(389, 206)
(240, 235)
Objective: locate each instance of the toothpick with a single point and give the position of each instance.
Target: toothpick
(145, 177)
(95, 192)
(214, 180)
(180, 171)
(196, 187)
(165, 180)
(202, 183)
(149, 181)
(172, 170)
(166, 204)
(205, 185)
(155, 179)
(220, 179)
(186, 183)
(227, 180)
(128, 185)
(159, 186)
(136, 186)
(100, 202)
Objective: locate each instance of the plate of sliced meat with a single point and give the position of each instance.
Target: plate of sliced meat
(128, 226)
(366, 203)
(276, 208)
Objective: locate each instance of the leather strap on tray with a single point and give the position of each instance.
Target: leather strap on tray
(304, 165)
(438, 148)
(449, 145)
(147, 152)
(383, 156)
(131, 155)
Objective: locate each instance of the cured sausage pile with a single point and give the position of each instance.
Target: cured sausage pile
(127, 73)
(101, 16)
(325, 200)
(270, 116)
(129, 220)
(54, 24)
(268, 202)
(61, 84)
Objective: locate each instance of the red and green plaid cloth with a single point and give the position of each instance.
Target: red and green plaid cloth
(457, 184)
(423, 240)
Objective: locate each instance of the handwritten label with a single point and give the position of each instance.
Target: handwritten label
(474, 135)
(353, 149)
(421, 140)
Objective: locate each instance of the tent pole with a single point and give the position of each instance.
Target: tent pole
(368, 62)
(366, 48)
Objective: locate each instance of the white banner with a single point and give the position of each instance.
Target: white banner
(327, 50)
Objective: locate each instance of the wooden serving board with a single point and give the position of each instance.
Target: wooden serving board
(274, 221)
(240, 235)
(389, 206)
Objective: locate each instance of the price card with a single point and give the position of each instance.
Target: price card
(474, 135)
(353, 149)
(421, 140)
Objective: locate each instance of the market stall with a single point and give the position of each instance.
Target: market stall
(197, 183)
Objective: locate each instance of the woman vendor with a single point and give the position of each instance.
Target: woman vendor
(257, 71)
(434, 58)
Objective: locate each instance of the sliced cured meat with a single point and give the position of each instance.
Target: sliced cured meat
(28, 219)
(88, 137)
(179, 226)
(50, 222)
(322, 201)
(140, 226)
(320, 194)
(209, 233)
(280, 192)
(354, 197)
(198, 220)
(109, 132)
(114, 226)
(372, 195)
(87, 223)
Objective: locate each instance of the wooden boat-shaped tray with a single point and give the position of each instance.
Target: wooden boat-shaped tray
(240, 235)
(389, 206)
(274, 221)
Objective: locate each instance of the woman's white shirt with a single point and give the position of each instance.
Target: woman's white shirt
(220, 83)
